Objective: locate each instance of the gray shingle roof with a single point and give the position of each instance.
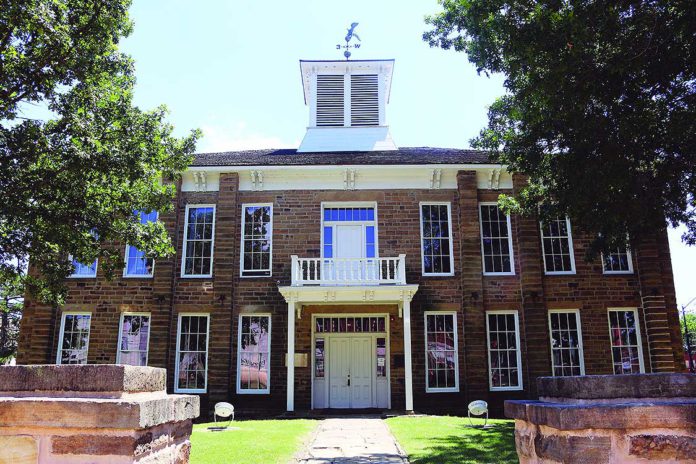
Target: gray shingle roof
(290, 157)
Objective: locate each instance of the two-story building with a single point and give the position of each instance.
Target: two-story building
(351, 273)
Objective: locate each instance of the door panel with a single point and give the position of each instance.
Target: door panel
(361, 372)
(339, 368)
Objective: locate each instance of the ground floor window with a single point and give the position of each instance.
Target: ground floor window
(441, 352)
(133, 339)
(192, 353)
(566, 343)
(74, 338)
(504, 358)
(253, 366)
(626, 350)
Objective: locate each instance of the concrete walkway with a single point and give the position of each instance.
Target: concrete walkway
(359, 440)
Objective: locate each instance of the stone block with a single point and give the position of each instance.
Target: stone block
(663, 447)
(18, 449)
(573, 449)
(606, 387)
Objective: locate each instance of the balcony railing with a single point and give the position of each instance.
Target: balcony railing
(348, 271)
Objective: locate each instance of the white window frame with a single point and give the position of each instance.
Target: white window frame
(185, 244)
(120, 332)
(178, 352)
(520, 385)
(581, 349)
(454, 389)
(125, 258)
(451, 234)
(639, 338)
(629, 257)
(62, 331)
(364, 224)
(570, 248)
(240, 390)
(483, 256)
(83, 276)
(241, 249)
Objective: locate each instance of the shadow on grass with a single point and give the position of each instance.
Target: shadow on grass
(495, 444)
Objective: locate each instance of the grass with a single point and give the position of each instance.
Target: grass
(255, 442)
(450, 440)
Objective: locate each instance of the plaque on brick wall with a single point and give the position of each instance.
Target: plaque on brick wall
(300, 360)
(398, 362)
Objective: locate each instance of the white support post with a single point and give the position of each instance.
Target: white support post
(294, 277)
(291, 356)
(408, 380)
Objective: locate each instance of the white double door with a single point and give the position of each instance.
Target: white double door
(351, 375)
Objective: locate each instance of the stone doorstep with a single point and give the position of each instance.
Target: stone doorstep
(147, 410)
(107, 378)
(565, 416)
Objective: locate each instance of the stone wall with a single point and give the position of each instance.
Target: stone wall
(608, 419)
(92, 414)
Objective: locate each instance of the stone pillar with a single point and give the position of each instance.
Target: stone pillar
(92, 414)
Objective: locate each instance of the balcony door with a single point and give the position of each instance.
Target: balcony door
(349, 240)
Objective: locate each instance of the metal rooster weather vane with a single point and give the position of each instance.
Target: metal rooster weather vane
(349, 36)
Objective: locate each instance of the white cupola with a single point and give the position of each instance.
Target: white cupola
(347, 105)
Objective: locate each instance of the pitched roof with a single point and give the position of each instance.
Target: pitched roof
(290, 157)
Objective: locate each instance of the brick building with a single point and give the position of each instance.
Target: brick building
(350, 273)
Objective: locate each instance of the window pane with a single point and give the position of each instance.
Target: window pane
(566, 351)
(623, 333)
(254, 353)
(192, 353)
(495, 239)
(257, 249)
(76, 329)
(555, 240)
(198, 242)
(441, 350)
(503, 350)
(435, 239)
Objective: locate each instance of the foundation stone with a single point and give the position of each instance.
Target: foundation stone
(92, 414)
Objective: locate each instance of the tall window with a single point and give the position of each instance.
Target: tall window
(198, 241)
(334, 216)
(504, 358)
(83, 270)
(137, 264)
(496, 240)
(257, 240)
(626, 349)
(192, 354)
(566, 343)
(441, 352)
(74, 338)
(618, 261)
(436, 239)
(557, 245)
(253, 365)
(133, 339)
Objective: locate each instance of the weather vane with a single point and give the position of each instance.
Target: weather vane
(349, 36)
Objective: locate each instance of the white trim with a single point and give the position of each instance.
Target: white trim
(629, 257)
(120, 331)
(266, 390)
(365, 223)
(570, 248)
(381, 167)
(241, 249)
(483, 255)
(62, 332)
(81, 276)
(429, 389)
(212, 243)
(638, 336)
(581, 350)
(451, 244)
(520, 385)
(176, 360)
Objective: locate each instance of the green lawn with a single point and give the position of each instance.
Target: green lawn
(450, 440)
(256, 442)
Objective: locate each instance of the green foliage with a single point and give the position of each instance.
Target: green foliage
(600, 108)
(250, 442)
(451, 440)
(70, 184)
(691, 323)
(11, 304)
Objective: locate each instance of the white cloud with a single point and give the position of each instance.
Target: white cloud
(237, 135)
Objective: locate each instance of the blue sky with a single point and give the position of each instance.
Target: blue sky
(231, 68)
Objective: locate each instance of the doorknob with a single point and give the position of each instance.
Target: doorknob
(349, 380)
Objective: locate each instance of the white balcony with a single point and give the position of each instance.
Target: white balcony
(348, 271)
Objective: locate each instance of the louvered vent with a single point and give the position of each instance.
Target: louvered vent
(364, 100)
(330, 100)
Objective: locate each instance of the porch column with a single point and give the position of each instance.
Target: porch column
(291, 356)
(408, 375)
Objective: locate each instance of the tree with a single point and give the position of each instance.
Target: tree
(600, 106)
(11, 304)
(70, 183)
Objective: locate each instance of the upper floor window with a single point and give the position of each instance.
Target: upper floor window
(349, 231)
(626, 346)
(436, 239)
(257, 240)
(133, 339)
(362, 93)
(83, 270)
(199, 233)
(566, 343)
(74, 338)
(137, 264)
(504, 355)
(618, 261)
(557, 246)
(496, 240)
